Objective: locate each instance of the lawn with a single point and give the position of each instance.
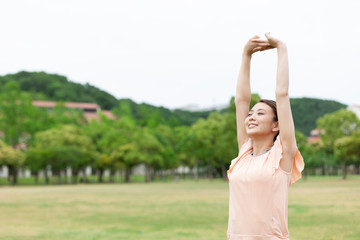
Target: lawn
(319, 208)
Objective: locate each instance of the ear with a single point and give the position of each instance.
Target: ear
(276, 127)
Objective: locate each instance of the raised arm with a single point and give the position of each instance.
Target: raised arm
(286, 123)
(243, 92)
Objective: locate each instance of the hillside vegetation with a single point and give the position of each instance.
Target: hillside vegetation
(307, 110)
(45, 86)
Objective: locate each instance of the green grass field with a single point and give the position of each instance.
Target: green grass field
(319, 208)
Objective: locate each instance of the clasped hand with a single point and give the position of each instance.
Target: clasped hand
(256, 44)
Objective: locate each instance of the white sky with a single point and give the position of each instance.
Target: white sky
(176, 53)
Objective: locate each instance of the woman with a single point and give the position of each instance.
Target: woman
(259, 178)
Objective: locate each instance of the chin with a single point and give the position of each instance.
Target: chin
(251, 134)
(254, 134)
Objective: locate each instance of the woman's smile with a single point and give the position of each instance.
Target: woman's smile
(252, 125)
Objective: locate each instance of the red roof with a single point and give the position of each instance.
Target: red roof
(93, 115)
(79, 105)
(109, 114)
(314, 139)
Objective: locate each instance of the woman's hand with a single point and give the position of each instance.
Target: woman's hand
(256, 44)
(270, 40)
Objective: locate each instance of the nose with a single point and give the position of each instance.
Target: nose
(251, 117)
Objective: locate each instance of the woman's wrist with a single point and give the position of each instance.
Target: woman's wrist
(246, 54)
(281, 45)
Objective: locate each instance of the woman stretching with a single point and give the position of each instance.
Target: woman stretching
(268, 161)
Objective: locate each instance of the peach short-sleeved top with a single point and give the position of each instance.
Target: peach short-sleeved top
(258, 201)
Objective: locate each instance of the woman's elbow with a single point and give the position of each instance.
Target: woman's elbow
(241, 100)
(281, 94)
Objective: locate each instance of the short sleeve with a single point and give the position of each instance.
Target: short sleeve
(298, 162)
(245, 148)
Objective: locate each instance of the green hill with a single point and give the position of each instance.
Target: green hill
(54, 87)
(44, 86)
(146, 114)
(307, 110)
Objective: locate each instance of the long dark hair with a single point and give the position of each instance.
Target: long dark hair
(272, 104)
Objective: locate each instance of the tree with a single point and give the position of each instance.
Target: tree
(166, 136)
(67, 147)
(101, 163)
(336, 126)
(208, 143)
(185, 140)
(151, 152)
(109, 137)
(37, 159)
(13, 159)
(348, 148)
(127, 155)
(96, 130)
(15, 109)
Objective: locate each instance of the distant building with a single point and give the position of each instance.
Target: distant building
(355, 109)
(314, 136)
(90, 110)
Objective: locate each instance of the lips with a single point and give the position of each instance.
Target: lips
(252, 125)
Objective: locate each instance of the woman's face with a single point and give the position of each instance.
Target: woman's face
(260, 121)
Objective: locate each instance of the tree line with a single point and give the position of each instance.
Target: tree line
(54, 87)
(40, 140)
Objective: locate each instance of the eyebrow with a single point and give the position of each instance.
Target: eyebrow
(258, 110)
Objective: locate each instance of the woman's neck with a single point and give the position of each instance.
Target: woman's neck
(261, 144)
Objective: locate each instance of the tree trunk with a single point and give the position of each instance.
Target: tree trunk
(15, 176)
(85, 177)
(357, 168)
(46, 177)
(323, 170)
(223, 172)
(196, 173)
(305, 174)
(56, 179)
(210, 170)
(344, 170)
(101, 174)
(152, 174)
(59, 178)
(74, 177)
(127, 174)
(12, 177)
(36, 175)
(147, 174)
(111, 178)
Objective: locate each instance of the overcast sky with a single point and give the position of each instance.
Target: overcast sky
(176, 53)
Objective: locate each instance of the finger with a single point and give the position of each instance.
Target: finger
(267, 48)
(256, 49)
(263, 44)
(254, 37)
(262, 48)
(267, 35)
(260, 40)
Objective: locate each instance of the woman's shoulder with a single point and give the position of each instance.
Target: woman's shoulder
(276, 154)
(244, 151)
